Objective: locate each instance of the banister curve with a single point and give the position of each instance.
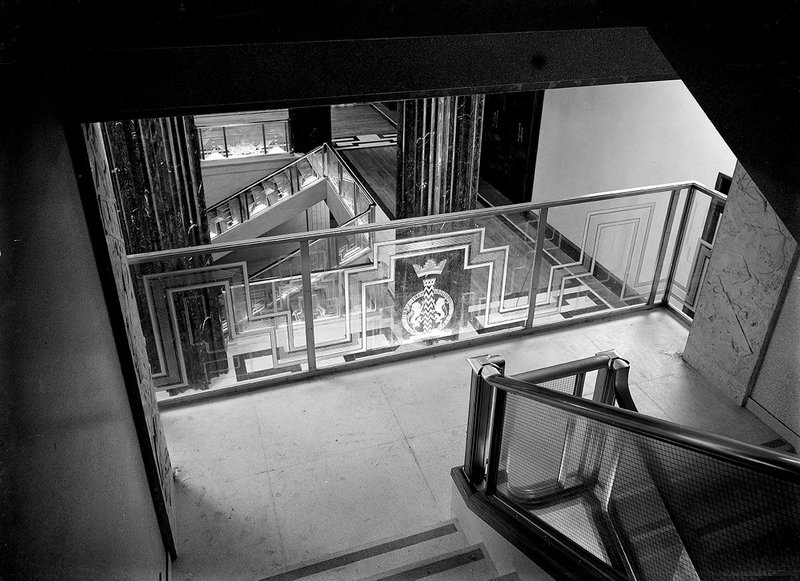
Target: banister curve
(778, 464)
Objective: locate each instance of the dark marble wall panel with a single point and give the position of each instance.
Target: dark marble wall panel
(156, 172)
(116, 248)
(157, 183)
(750, 263)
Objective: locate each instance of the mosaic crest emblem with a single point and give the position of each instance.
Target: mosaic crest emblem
(431, 309)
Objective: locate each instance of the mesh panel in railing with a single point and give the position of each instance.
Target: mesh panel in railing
(672, 513)
(562, 384)
(733, 520)
(543, 469)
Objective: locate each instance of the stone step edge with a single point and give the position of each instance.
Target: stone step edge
(507, 577)
(363, 552)
(448, 561)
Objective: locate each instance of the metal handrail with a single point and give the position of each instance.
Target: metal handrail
(414, 222)
(567, 369)
(761, 459)
(266, 177)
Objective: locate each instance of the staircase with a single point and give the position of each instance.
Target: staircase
(438, 553)
(631, 497)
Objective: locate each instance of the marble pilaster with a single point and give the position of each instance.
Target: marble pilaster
(438, 154)
(749, 265)
(109, 212)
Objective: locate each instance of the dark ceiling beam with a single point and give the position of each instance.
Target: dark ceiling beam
(110, 59)
(122, 83)
(740, 63)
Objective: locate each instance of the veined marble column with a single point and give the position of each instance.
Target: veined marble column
(438, 154)
(156, 170)
(159, 203)
(749, 266)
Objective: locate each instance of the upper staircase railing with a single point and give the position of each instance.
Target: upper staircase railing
(321, 255)
(264, 193)
(253, 200)
(600, 492)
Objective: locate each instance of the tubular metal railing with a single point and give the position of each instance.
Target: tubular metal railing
(509, 269)
(264, 193)
(627, 496)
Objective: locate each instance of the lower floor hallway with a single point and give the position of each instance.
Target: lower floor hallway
(287, 475)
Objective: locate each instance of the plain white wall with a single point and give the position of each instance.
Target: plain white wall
(610, 137)
(74, 497)
(777, 387)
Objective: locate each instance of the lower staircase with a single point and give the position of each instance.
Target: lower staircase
(439, 553)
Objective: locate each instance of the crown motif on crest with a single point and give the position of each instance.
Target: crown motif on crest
(430, 268)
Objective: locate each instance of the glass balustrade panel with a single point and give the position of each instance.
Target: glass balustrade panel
(212, 143)
(276, 137)
(317, 161)
(600, 256)
(347, 193)
(694, 253)
(244, 140)
(671, 242)
(402, 289)
(208, 326)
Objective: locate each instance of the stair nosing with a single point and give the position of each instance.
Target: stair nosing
(363, 552)
(479, 547)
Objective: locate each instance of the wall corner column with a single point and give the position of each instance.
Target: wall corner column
(752, 261)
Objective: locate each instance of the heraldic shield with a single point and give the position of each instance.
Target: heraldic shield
(429, 290)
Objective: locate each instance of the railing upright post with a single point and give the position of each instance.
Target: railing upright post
(308, 304)
(679, 241)
(498, 416)
(620, 368)
(604, 384)
(662, 249)
(479, 418)
(243, 210)
(537, 267)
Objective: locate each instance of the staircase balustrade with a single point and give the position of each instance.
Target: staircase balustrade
(613, 494)
(390, 290)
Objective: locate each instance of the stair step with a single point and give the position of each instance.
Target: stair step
(468, 564)
(507, 577)
(379, 557)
